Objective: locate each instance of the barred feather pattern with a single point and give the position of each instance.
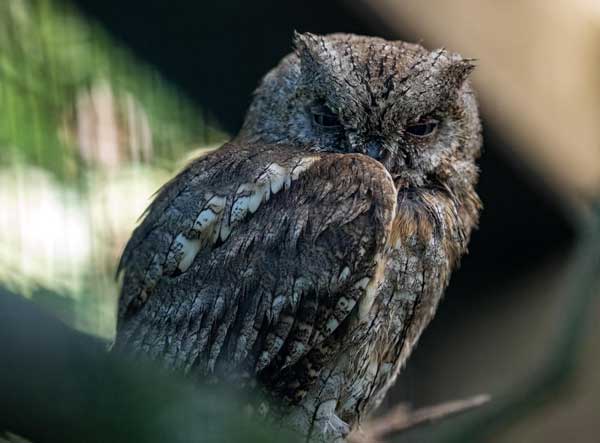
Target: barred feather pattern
(303, 262)
(307, 280)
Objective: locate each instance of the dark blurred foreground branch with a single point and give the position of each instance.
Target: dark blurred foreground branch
(401, 419)
(61, 386)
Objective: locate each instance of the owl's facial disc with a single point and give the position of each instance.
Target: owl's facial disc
(399, 103)
(393, 101)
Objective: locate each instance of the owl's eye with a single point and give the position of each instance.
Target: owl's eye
(325, 117)
(422, 128)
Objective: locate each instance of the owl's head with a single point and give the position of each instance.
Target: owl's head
(410, 108)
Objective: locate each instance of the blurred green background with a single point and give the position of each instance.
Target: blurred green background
(87, 134)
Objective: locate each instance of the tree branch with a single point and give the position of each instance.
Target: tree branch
(401, 419)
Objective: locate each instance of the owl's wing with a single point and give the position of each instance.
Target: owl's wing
(252, 257)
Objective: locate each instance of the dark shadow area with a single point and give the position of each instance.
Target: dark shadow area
(59, 385)
(217, 51)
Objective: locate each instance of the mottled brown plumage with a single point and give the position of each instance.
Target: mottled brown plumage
(309, 253)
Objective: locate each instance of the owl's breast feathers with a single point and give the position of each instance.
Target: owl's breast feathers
(429, 234)
(256, 261)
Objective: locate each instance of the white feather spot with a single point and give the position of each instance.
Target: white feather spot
(331, 325)
(276, 307)
(216, 204)
(302, 166)
(362, 283)
(263, 361)
(225, 231)
(277, 184)
(279, 342)
(345, 304)
(204, 219)
(245, 188)
(371, 289)
(190, 249)
(344, 274)
(219, 307)
(266, 191)
(298, 348)
(239, 209)
(367, 301)
(254, 201)
(277, 177)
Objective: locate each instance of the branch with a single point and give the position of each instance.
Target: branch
(401, 419)
(61, 386)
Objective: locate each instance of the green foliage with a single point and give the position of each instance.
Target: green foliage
(87, 134)
(49, 55)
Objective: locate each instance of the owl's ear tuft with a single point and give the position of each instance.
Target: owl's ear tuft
(449, 70)
(461, 68)
(457, 68)
(305, 41)
(309, 48)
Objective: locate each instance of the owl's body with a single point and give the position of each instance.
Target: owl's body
(309, 253)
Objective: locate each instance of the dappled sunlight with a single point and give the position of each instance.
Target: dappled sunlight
(67, 239)
(90, 135)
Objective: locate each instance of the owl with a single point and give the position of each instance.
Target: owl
(304, 258)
